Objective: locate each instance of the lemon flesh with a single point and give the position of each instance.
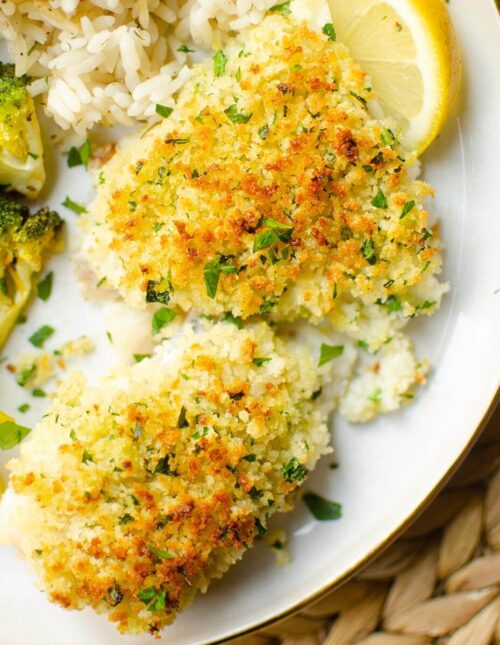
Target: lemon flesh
(410, 51)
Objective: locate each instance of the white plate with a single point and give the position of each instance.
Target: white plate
(388, 468)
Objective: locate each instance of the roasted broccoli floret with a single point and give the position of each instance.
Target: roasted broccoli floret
(23, 240)
(21, 151)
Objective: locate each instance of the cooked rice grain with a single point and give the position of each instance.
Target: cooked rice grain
(111, 61)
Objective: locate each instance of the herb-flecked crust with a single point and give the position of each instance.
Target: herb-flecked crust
(134, 494)
(269, 190)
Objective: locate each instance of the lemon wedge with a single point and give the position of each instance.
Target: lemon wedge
(410, 50)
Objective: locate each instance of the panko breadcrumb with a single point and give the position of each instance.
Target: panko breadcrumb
(35, 369)
(130, 496)
(269, 190)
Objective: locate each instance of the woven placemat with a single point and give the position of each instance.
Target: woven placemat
(438, 584)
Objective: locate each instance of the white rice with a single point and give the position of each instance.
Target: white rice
(113, 61)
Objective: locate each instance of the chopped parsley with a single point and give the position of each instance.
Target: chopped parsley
(294, 471)
(265, 240)
(25, 375)
(24, 407)
(179, 141)
(409, 206)
(259, 362)
(211, 274)
(393, 303)
(78, 209)
(185, 49)
(362, 344)
(125, 519)
(234, 320)
(163, 467)
(276, 224)
(115, 596)
(329, 352)
(12, 434)
(266, 306)
(329, 31)
(255, 493)
(182, 422)
(163, 110)
(316, 394)
(87, 457)
(263, 132)
(322, 509)
(237, 117)
(220, 62)
(161, 553)
(387, 137)
(41, 335)
(154, 599)
(261, 529)
(368, 251)
(161, 319)
(427, 304)
(44, 287)
(380, 200)
(79, 156)
(360, 98)
(201, 433)
(283, 8)
(376, 396)
(279, 233)
(39, 393)
(138, 358)
(160, 290)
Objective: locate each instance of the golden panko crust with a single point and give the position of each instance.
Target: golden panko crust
(269, 189)
(135, 493)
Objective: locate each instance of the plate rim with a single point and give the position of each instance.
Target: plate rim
(374, 553)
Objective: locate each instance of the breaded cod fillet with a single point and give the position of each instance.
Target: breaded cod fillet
(270, 189)
(132, 495)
